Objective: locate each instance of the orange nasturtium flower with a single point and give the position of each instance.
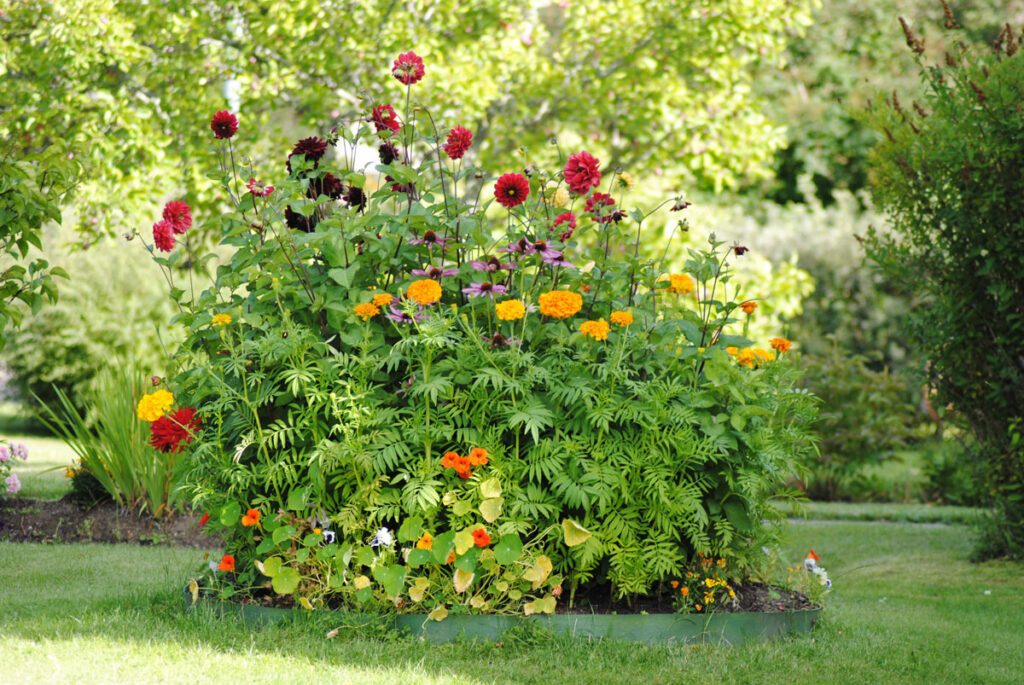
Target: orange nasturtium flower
(477, 456)
(748, 307)
(560, 304)
(598, 330)
(684, 591)
(622, 318)
(451, 558)
(425, 542)
(781, 344)
(227, 564)
(383, 299)
(366, 311)
(424, 291)
(481, 538)
(251, 518)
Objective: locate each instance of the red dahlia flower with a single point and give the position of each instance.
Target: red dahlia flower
(311, 148)
(582, 172)
(259, 188)
(598, 204)
(179, 214)
(224, 124)
(567, 218)
(511, 190)
(163, 235)
(169, 431)
(384, 117)
(459, 140)
(408, 68)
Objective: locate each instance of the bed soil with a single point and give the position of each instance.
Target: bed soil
(67, 520)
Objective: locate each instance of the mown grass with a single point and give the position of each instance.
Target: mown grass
(907, 608)
(886, 511)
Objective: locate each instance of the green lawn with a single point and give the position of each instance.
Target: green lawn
(907, 608)
(42, 476)
(887, 511)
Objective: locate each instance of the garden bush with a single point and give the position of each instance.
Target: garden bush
(411, 389)
(948, 173)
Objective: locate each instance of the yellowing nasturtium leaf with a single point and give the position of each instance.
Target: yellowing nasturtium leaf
(439, 613)
(490, 488)
(539, 571)
(193, 589)
(449, 498)
(462, 580)
(419, 589)
(462, 507)
(463, 541)
(490, 509)
(477, 602)
(540, 606)
(304, 601)
(501, 586)
(361, 582)
(271, 566)
(574, 533)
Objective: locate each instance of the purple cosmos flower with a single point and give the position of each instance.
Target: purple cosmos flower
(486, 288)
(435, 272)
(399, 316)
(558, 260)
(520, 246)
(492, 264)
(430, 238)
(13, 484)
(542, 248)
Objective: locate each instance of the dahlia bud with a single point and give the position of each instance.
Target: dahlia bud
(155, 380)
(556, 591)
(740, 250)
(680, 205)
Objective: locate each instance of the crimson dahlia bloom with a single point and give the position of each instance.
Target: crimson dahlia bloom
(458, 142)
(582, 172)
(384, 117)
(171, 430)
(179, 215)
(311, 148)
(511, 190)
(224, 124)
(163, 235)
(567, 218)
(408, 68)
(598, 205)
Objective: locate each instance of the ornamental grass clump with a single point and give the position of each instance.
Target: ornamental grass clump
(433, 392)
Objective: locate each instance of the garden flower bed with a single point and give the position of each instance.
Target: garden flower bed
(410, 391)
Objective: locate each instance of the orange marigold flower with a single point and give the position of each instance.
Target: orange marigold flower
(251, 518)
(698, 607)
(510, 310)
(674, 584)
(681, 284)
(227, 564)
(747, 358)
(598, 330)
(622, 318)
(448, 460)
(366, 311)
(477, 456)
(781, 344)
(425, 542)
(383, 299)
(481, 538)
(424, 291)
(721, 563)
(560, 304)
(764, 356)
(732, 350)
(748, 307)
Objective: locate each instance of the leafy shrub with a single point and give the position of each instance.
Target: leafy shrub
(948, 173)
(414, 400)
(114, 446)
(117, 308)
(953, 473)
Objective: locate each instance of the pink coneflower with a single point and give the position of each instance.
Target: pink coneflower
(491, 264)
(582, 172)
(458, 142)
(408, 68)
(258, 188)
(179, 215)
(558, 259)
(384, 117)
(430, 238)
(485, 289)
(435, 272)
(163, 235)
(511, 190)
(542, 248)
(521, 246)
(399, 316)
(224, 124)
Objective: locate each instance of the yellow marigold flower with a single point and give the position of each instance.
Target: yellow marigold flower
(154, 405)
(709, 598)
(732, 350)
(221, 319)
(424, 291)
(510, 310)
(681, 284)
(625, 180)
(747, 358)
(748, 307)
(383, 299)
(425, 542)
(366, 311)
(732, 594)
(710, 582)
(721, 563)
(598, 330)
(559, 198)
(781, 344)
(560, 304)
(622, 318)
(764, 356)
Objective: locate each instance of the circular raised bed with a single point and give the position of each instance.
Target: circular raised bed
(731, 628)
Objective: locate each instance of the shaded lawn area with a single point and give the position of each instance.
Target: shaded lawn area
(885, 511)
(907, 608)
(42, 476)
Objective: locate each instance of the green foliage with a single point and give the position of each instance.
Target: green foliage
(117, 308)
(517, 456)
(130, 86)
(114, 446)
(31, 192)
(948, 174)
